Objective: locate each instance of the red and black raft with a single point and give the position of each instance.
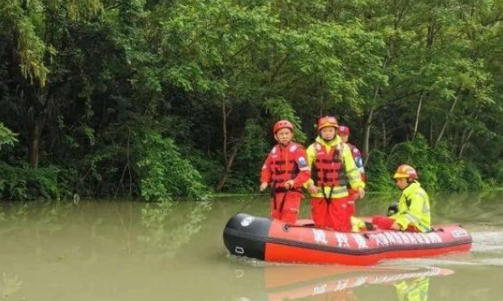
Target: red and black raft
(276, 241)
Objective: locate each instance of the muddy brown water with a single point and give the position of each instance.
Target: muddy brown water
(120, 250)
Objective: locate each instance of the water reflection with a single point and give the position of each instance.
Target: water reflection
(103, 250)
(416, 289)
(168, 230)
(342, 283)
(44, 216)
(10, 286)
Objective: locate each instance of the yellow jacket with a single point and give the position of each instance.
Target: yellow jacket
(352, 172)
(413, 208)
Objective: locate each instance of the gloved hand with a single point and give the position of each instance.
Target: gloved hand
(393, 208)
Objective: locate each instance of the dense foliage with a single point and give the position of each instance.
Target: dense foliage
(168, 99)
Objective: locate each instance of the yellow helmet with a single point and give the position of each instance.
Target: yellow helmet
(405, 171)
(327, 121)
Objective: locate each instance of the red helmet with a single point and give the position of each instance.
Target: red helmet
(344, 130)
(282, 124)
(405, 171)
(327, 121)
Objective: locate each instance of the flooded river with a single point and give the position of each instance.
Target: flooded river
(107, 250)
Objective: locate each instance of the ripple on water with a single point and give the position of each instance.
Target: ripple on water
(490, 261)
(487, 249)
(487, 242)
(452, 260)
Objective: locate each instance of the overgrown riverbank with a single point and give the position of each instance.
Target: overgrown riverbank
(164, 100)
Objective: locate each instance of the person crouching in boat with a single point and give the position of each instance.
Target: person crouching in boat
(413, 212)
(333, 168)
(286, 170)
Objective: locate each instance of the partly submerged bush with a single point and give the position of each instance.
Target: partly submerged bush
(26, 183)
(438, 168)
(379, 173)
(162, 171)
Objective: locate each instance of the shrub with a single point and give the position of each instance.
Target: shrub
(162, 170)
(26, 183)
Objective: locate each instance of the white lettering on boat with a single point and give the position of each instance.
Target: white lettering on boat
(459, 233)
(419, 238)
(397, 237)
(405, 238)
(412, 238)
(426, 238)
(390, 238)
(380, 239)
(320, 236)
(435, 238)
(342, 240)
(362, 244)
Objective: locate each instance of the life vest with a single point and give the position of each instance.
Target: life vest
(283, 165)
(328, 168)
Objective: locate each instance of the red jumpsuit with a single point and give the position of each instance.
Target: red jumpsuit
(286, 163)
(328, 171)
(333, 168)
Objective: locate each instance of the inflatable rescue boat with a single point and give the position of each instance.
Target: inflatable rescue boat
(276, 241)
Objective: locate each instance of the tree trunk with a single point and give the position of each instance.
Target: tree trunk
(223, 179)
(444, 127)
(228, 157)
(229, 161)
(366, 137)
(225, 171)
(431, 131)
(466, 137)
(34, 147)
(418, 113)
(368, 121)
(465, 143)
(224, 131)
(36, 117)
(384, 136)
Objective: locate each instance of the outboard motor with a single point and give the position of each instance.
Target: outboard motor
(246, 235)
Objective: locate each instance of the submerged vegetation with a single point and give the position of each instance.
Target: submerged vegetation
(163, 100)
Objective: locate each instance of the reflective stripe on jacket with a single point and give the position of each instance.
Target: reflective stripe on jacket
(414, 208)
(347, 168)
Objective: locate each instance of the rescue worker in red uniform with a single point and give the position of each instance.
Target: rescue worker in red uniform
(344, 133)
(413, 210)
(286, 170)
(333, 169)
